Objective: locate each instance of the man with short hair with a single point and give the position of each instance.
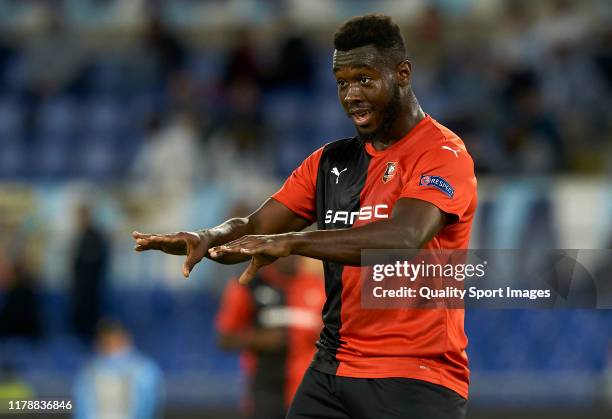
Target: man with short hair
(404, 182)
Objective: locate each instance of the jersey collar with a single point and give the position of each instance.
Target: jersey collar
(375, 153)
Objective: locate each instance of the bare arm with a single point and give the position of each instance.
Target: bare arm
(412, 224)
(271, 218)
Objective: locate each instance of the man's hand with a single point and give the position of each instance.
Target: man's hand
(194, 245)
(263, 250)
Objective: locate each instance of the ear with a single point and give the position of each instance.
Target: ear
(404, 72)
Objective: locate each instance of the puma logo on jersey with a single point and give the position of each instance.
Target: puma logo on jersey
(364, 213)
(456, 152)
(335, 171)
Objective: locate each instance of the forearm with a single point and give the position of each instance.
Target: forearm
(231, 229)
(413, 223)
(271, 218)
(345, 245)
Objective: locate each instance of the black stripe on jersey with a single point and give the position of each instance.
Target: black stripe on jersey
(270, 370)
(341, 177)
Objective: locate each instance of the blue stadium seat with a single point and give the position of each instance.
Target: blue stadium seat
(50, 157)
(544, 340)
(332, 123)
(11, 119)
(107, 77)
(15, 76)
(126, 147)
(289, 153)
(286, 110)
(67, 352)
(13, 158)
(324, 77)
(59, 116)
(206, 65)
(104, 117)
(17, 352)
(98, 160)
(55, 310)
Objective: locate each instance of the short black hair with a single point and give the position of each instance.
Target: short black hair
(373, 29)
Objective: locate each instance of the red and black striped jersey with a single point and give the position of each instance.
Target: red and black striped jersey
(346, 184)
(274, 300)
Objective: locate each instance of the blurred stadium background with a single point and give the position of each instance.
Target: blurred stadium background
(166, 115)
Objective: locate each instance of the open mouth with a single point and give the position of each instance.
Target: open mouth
(361, 118)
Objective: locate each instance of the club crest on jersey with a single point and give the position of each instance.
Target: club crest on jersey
(389, 171)
(438, 183)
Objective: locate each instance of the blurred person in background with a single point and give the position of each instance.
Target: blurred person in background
(238, 145)
(19, 302)
(169, 139)
(532, 140)
(54, 60)
(295, 66)
(89, 265)
(8, 53)
(369, 363)
(164, 48)
(237, 151)
(172, 139)
(119, 382)
(241, 64)
(274, 322)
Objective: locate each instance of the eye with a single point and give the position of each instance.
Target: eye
(365, 80)
(341, 83)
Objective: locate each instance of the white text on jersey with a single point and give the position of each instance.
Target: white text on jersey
(364, 213)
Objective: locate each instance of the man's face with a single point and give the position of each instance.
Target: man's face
(111, 342)
(368, 90)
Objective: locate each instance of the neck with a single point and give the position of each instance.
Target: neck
(410, 116)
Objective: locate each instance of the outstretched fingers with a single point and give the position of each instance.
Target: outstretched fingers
(174, 244)
(181, 243)
(224, 249)
(144, 241)
(250, 271)
(191, 260)
(245, 245)
(238, 249)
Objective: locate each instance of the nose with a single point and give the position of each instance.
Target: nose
(353, 94)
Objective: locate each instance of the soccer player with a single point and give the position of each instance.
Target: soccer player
(411, 183)
(274, 321)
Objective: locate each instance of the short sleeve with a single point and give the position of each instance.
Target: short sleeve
(299, 190)
(444, 176)
(236, 310)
